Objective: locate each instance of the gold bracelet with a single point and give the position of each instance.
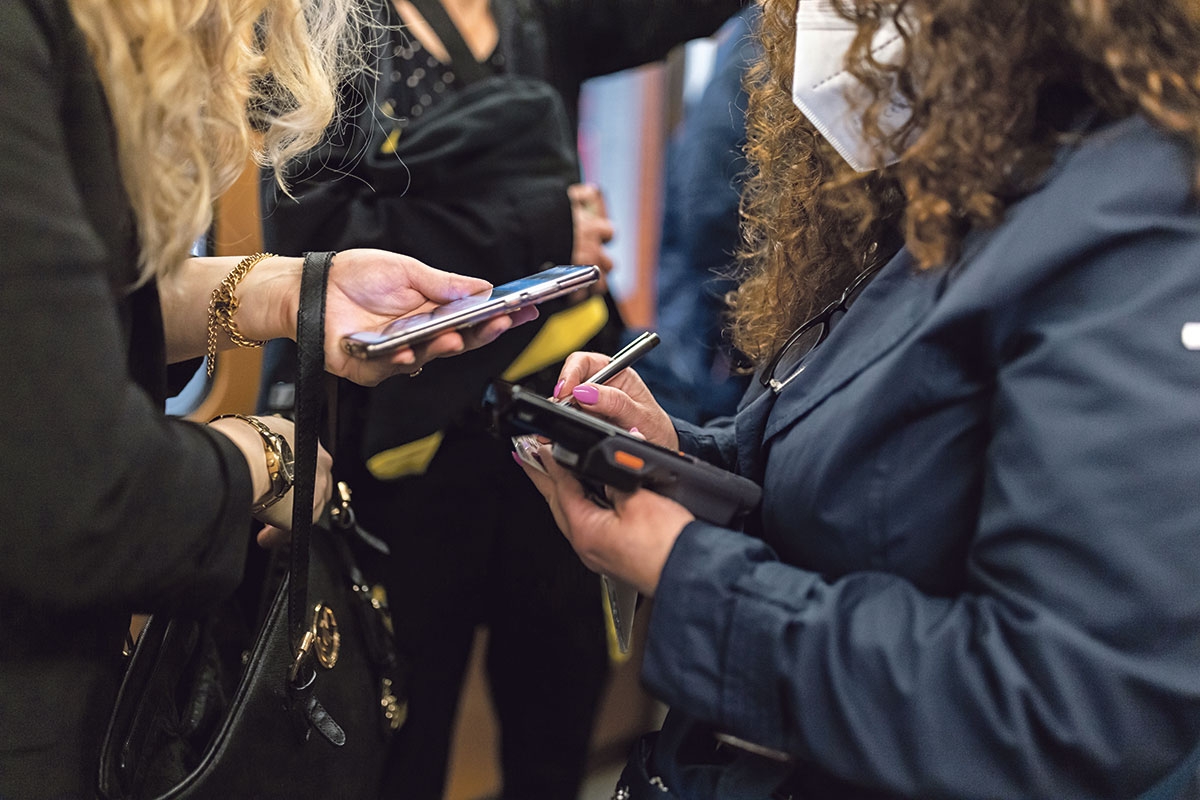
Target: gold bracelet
(222, 307)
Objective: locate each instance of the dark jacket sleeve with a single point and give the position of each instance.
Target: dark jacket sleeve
(567, 42)
(599, 37)
(713, 442)
(106, 503)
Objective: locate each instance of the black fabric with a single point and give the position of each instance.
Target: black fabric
(565, 42)
(469, 70)
(473, 546)
(500, 142)
(153, 515)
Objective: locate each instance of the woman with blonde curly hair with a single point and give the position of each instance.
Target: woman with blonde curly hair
(972, 292)
(120, 122)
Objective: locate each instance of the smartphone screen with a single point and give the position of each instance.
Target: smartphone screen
(471, 310)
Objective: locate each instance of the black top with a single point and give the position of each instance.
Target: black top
(418, 81)
(109, 507)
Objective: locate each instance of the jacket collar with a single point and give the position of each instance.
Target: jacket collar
(885, 312)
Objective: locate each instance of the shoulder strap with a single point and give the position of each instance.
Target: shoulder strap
(310, 376)
(466, 66)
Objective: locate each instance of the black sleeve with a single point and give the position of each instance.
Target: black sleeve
(598, 37)
(106, 502)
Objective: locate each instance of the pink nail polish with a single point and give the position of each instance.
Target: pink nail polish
(586, 394)
(558, 388)
(634, 429)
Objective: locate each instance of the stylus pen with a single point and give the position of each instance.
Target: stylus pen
(621, 359)
(526, 445)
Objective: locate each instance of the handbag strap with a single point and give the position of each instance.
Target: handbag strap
(310, 374)
(465, 64)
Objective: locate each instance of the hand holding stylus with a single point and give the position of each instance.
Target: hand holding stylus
(526, 446)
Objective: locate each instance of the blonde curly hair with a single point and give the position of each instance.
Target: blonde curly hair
(195, 86)
(994, 87)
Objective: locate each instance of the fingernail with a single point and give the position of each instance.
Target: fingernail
(558, 388)
(634, 429)
(516, 458)
(586, 394)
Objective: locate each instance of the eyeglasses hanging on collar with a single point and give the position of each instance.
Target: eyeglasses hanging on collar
(788, 361)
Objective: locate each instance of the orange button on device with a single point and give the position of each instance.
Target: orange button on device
(628, 460)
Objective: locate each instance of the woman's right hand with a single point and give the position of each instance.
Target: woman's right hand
(624, 401)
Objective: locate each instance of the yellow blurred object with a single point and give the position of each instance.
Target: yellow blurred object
(410, 458)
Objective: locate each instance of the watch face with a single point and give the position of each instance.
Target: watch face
(287, 462)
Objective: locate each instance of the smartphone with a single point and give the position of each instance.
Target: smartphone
(602, 454)
(471, 310)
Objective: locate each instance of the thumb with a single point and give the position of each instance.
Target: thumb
(441, 286)
(272, 536)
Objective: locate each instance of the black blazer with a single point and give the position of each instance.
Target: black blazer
(108, 507)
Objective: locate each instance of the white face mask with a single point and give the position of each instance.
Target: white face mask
(823, 90)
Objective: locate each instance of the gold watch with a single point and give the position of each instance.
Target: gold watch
(280, 462)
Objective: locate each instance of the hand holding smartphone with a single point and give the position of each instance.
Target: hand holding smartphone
(467, 311)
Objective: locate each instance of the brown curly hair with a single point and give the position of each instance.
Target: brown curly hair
(994, 87)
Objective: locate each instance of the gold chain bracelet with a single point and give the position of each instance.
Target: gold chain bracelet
(222, 307)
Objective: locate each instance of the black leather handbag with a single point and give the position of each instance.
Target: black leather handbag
(302, 708)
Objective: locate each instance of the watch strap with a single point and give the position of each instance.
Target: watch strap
(276, 471)
(276, 451)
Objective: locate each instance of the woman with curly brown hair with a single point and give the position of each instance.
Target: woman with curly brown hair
(973, 297)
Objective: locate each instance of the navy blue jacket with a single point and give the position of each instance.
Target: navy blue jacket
(979, 567)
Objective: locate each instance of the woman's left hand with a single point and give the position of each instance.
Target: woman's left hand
(369, 288)
(629, 542)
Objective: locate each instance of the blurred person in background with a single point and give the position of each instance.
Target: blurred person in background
(694, 372)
